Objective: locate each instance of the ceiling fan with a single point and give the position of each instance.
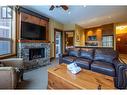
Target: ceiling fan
(64, 7)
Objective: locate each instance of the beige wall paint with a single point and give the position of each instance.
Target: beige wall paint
(84, 37)
(79, 34)
(53, 24)
(14, 33)
(69, 27)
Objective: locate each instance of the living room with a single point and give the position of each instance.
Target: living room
(36, 41)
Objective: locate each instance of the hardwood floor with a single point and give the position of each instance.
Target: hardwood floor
(123, 57)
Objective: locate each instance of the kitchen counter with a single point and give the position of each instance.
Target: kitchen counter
(93, 47)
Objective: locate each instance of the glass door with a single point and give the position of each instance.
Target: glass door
(58, 44)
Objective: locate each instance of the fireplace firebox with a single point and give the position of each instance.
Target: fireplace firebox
(35, 53)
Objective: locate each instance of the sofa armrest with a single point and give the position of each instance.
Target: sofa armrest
(120, 79)
(118, 64)
(61, 57)
(13, 62)
(8, 78)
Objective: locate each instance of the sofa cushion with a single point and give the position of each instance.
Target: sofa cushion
(107, 55)
(73, 52)
(69, 59)
(86, 53)
(83, 63)
(103, 67)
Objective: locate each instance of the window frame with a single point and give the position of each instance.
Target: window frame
(108, 41)
(11, 35)
(9, 40)
(6, 12)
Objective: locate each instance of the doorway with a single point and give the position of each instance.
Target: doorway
(58, 42)
(69, 39)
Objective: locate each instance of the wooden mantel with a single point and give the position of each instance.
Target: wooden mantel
(33, 41)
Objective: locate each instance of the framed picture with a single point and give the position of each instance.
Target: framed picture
(77, 38)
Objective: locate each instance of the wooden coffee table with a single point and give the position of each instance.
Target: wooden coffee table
(60, 77)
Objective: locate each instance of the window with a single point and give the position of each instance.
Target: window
(107, 41)
(6, 37)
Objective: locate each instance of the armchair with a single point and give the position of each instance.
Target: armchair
(16, 63)
(8, 78)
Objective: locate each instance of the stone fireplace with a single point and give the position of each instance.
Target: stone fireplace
(34, 54)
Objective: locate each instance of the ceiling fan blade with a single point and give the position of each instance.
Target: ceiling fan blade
(64, 7)
(52, 7)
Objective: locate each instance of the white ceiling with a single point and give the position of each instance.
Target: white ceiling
(84, 16)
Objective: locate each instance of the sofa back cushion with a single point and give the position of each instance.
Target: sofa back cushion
(107, 55)
(73, 52)
(87, 53)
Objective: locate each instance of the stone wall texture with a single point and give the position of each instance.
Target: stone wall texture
(23, 52)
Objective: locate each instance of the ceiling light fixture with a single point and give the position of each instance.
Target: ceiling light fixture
(69, 12)
(84, 6)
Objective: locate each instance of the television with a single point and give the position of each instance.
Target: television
(31, 31)
(92, 38)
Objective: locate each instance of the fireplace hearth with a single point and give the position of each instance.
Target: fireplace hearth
(35, 53)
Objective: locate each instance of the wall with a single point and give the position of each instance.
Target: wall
(121, 38)
(97, 31)
(78, 30)
(108, 29)
(79, 36)
(79, 39)
(69, 27)
(103, 30)
(53, 24)
(14, 33)
(115, 25)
